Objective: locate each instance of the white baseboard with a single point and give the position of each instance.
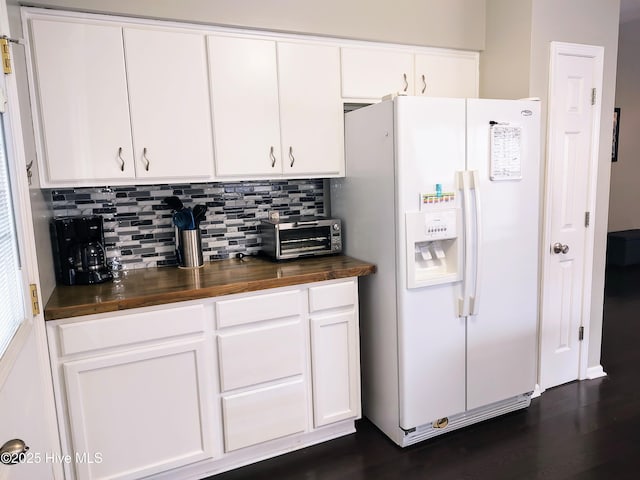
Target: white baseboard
(595, 372)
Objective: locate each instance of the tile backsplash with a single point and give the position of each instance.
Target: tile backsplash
(139, 232)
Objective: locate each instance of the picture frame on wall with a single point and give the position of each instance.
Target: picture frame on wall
(616, 131)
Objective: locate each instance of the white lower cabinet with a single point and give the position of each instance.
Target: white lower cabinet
(141, 411)
(335, 350)
(193, 389)
(134, 391)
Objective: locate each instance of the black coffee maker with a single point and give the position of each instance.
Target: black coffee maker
(78, 250)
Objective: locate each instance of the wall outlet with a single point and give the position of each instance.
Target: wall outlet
(274, 215)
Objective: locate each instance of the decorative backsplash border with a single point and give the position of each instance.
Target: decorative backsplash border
(139, 232)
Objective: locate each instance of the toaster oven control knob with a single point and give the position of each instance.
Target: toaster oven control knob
(336, 226)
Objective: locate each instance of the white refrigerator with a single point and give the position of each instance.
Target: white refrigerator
(443, 196)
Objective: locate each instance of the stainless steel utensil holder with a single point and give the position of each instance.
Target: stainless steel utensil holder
(189, 248)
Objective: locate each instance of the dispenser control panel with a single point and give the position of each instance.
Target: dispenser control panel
(434, 250)
(440, 224)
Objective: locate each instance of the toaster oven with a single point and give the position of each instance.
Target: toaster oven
(301, 236)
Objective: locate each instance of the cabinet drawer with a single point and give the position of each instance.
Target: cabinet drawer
(332, 296)
(260, 355)
(266, 414)
(258, 307)
(132, 328)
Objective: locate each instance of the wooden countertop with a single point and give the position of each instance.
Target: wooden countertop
(158, 286)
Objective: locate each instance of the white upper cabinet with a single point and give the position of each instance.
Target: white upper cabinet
(82, 98)
(119, 101)
(244, 91)
(373, 73)
(169, 97)
(447, 75)
(368, 74)
(277, 109)
(120, 105)
(311, 110)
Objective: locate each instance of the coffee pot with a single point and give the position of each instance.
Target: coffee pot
(78, 250)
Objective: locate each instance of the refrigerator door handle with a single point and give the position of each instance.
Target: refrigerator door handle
(463, 184)
(474, 300)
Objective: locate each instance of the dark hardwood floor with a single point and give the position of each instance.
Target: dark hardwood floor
(581, 430)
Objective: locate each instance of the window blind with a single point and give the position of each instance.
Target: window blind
(11, 295)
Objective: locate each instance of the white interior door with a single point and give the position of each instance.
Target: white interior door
(574, 111)
(26, 398)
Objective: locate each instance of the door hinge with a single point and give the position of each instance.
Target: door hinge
(35, 305)
(581, 333)
(6, 55)
(593, 96)
(587, 218)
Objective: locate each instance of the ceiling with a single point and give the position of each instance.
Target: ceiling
(629, 10)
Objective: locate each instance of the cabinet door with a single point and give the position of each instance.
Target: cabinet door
(170, 103)
(311, 109)
(244, 89)
(82, 97)
(144, 411)
(335, 367)
(447, 75)
(372, 74)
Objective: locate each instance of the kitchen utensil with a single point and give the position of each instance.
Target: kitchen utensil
(183, 219)
(174, 203)
(199, 214)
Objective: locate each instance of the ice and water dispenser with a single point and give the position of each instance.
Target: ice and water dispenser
(434, 240)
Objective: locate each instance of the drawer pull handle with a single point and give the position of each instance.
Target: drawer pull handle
(144, 156)
(121, 159)
(424, 84)
(406, 83)
(273, 157)
(291, 157)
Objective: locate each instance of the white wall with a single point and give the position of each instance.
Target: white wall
(506, 62)
(624, 197)
(450, 23)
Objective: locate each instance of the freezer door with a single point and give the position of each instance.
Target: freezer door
(430, 149)
(502, 334)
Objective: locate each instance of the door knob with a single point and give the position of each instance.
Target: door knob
(12, 452)
(560, 248)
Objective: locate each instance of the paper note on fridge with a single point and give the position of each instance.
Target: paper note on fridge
(506, 152)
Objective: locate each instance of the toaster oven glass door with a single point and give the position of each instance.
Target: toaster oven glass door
(307, 240)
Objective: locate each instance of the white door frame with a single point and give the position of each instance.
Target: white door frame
(597, 53)
(33, 325)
